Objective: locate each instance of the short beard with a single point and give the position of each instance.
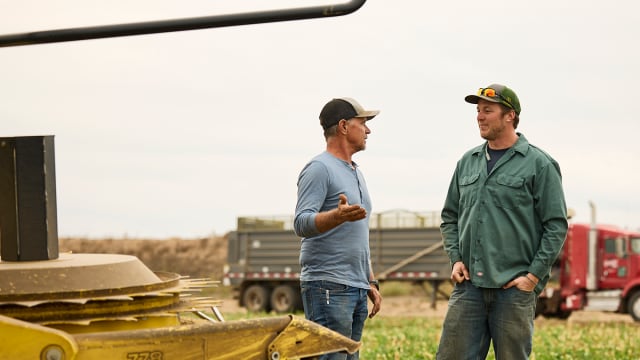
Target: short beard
(494, 133)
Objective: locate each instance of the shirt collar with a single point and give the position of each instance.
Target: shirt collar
(521, 146)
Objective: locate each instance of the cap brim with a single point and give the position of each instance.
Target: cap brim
(370, 114)
(473, 99)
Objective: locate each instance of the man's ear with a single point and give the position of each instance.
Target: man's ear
(343, 126)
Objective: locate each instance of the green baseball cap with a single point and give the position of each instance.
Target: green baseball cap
(498, 94)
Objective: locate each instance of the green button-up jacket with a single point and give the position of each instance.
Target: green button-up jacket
(508, 222)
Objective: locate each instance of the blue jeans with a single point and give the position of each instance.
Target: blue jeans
(476, 316)
(338, 307)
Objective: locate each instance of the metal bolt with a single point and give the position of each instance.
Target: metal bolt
(275, 355)
(52, 352)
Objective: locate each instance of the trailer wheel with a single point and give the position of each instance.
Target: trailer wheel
(563, 314)
(285, 299)
(256, 298)
(633, 306)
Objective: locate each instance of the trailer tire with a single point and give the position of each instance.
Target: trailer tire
(285, 299)
(633, 306)
(256, 298)
(563, 314)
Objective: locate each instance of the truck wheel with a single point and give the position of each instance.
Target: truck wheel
(256, 298)
(563, 314)
(633, 306)
(285, 299)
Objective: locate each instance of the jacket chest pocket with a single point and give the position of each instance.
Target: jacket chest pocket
(508, 191)
(468, 185)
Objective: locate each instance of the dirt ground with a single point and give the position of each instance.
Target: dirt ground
(420, 306)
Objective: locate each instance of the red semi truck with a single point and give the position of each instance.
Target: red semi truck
(598, 269)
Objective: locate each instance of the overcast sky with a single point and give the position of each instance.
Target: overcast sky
(178, 134)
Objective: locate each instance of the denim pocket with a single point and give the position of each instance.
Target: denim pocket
(522, 294)
(333, 286)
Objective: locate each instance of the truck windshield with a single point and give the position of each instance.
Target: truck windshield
(635, 245)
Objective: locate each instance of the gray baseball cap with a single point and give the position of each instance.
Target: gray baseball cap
(343, 108)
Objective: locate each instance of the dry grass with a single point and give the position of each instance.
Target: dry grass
(198, 258)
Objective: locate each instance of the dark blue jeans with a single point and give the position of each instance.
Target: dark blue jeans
(476, 316)
(338, 307)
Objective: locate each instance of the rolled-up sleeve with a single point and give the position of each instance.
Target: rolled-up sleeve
(312, 191)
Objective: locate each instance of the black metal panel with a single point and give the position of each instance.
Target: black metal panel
(28, 211)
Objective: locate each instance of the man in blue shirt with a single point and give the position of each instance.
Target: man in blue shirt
(332, 219)
(504, 222)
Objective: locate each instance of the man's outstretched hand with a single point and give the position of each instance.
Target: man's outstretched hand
(328, 220)
(348, 212)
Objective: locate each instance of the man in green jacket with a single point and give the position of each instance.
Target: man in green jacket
(504, 222)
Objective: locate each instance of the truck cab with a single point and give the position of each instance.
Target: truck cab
(598, 269)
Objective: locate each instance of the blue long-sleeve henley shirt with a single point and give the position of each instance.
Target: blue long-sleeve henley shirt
(341, 254)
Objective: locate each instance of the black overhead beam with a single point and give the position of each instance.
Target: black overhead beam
(171, 25)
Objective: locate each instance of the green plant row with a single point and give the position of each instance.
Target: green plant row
(404, 338)
(417, 338)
